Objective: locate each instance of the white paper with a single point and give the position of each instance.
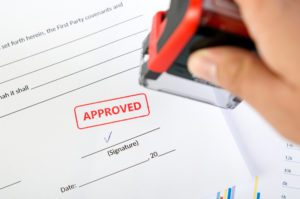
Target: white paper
(181, 149)
(275, 160)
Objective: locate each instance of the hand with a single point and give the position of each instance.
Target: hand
(269, 82)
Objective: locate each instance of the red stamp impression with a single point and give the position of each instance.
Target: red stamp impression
(112, 111)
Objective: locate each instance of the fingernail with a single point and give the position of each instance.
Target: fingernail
(202, 66)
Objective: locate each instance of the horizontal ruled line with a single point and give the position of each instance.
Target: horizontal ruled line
(10, 185)
(85, 69)
(70, 58)
(166, 153)
(291, 174)
(122, 170)
(109, 175)
(293, 148)
(69, 42)
(99, 151)
(292, 161)
(68, 92)
(291, 187)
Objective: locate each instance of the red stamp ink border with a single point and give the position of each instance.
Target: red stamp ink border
(129, 96)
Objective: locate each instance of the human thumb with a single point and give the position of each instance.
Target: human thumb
(239, 71)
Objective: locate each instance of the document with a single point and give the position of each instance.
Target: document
(75, 124)
(275, 160)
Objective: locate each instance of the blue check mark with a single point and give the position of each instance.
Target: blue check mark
(107, 138)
